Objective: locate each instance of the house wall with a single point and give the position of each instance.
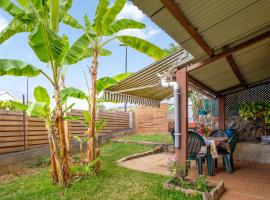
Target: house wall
(151, 120)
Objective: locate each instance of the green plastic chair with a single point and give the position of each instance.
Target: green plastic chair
(195, 141)
(228, 156)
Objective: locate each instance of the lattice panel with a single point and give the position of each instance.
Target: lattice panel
(260, 93)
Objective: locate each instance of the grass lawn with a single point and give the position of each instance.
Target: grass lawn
(165, 138)
(113, 183)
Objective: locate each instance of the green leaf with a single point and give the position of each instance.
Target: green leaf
(45, 43)
(120, 77)
(18, 105)
(65, 4)
(143, 46)
(17, 68)
(102, 52)
(124, 24)
(87, 23)
(72, 118)
(78, 51)
(41, 95)
(14, 27)
(11, 8)
(37, 109)
(65, 49)
(69, 107)
(100, 13)
(54, 15)
(103, 83)
(70, 21)
(77, 138)
(112, 13)
(72, 92)
(86, 116)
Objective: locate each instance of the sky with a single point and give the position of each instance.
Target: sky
(17, 48)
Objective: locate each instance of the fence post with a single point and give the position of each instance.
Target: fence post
(24, 126)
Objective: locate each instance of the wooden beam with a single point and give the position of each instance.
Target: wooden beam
(235, 87)
(201, 85)
(235, 69)
(221, 112)
(182, 80)
(181, 18)
(230, 51)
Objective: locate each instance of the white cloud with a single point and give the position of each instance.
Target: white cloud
(131, 12)
(3, 23)
(146, 33)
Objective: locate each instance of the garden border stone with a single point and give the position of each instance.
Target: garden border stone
(214, 194)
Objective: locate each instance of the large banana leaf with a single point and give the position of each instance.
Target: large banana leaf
(11, 8)
(143, 46)
(14, 27)
(19, 106)
(124, 24)
(112, 13)
(120, 77)
(41, 95)
(37, 109)
(45, 43)
(17, 68)
(103, 83)
(100, 13)
(72, 92)
(70, 21)
(79, 50)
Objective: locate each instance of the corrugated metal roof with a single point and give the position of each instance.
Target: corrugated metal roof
(220, 23)
(146, 83)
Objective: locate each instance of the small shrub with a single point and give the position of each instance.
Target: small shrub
(201, 184)
(43, 161)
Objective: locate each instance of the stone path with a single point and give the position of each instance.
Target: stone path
(250, 181)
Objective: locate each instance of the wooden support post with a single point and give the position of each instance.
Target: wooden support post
(221, 111)
(182, 80)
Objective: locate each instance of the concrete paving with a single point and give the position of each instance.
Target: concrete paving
(250, 181)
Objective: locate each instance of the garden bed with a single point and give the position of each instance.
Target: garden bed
(213, 190)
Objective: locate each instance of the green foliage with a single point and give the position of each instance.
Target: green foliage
(143, 46)
(201, 184)
(181, 171)
(17, 68)
(255, 111)
(43, 161)
(41, 95)
(9, 105)
(72, 92)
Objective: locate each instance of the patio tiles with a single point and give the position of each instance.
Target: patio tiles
(250, 181)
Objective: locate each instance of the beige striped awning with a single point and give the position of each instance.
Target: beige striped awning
(143, 87)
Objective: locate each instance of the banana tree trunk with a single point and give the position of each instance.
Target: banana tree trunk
(55, 166)
(66, 127)
(59, 126)
(93, 151)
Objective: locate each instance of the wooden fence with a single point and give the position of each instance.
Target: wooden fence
(19, 132)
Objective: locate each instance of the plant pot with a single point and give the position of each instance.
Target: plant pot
(215, 193)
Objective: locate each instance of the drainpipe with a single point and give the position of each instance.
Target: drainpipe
(176, 94)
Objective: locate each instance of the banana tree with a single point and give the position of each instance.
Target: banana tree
(101, 85)
(97, 35)
(41, 18)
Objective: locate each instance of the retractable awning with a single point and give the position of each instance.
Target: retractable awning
(143, 87)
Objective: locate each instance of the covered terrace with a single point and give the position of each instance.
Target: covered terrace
(226, 56)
